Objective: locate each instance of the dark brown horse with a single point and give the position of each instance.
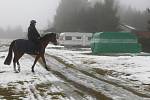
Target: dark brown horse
(20, 46)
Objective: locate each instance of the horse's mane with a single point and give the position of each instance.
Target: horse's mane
(46, 36)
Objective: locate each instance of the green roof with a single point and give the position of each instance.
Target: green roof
(115, 42)
(115, 35)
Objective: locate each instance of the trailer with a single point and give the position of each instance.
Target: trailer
(75, 39)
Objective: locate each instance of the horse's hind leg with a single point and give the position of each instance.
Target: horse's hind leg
(18, 57)
(14, 63)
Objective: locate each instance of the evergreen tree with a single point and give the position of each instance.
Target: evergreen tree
(111, 21)
(67, 16)
(77, 15)
(103, 17)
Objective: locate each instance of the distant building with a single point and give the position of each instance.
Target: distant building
(115, 42)
(127, 28)
(139, 33)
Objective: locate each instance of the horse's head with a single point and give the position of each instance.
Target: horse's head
(51, 37)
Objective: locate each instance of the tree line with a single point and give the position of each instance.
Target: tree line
(135, 18)
(9, 32)
(83, 16)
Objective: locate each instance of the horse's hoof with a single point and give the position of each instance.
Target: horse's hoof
(47, 68)
(19, 70)
(32, 71)
(16, 71)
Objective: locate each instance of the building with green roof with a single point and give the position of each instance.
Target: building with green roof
(115, 42)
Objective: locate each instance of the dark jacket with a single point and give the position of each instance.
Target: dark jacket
(33, 34)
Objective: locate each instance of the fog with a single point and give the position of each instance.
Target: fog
(137, 4)
(20, 12)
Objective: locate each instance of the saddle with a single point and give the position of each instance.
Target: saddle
(27, 46)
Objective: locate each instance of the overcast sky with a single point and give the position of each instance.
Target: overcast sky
(20, 12)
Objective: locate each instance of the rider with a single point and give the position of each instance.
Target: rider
(34, 35)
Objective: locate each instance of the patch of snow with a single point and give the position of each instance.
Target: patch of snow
(8, 75)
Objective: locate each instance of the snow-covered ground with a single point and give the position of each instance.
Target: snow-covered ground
(41, 85)
(27, 85)
(8, 75)
(135, 68)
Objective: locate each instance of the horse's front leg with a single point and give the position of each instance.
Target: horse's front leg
(14, 63)
(18, 66)
(43, 58)
(14, 67)
(36, 59)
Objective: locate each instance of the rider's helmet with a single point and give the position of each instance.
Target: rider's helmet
(33, 21)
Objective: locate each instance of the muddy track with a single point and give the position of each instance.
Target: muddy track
(102, 92)
(75, 90)
(66, 90)
(79, 88)
(100, 75)
(62, 89)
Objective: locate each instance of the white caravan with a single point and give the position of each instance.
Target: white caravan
(75, 39)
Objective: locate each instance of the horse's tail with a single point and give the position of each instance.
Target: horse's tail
(9, 56)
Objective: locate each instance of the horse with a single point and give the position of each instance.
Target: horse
(21, 46)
